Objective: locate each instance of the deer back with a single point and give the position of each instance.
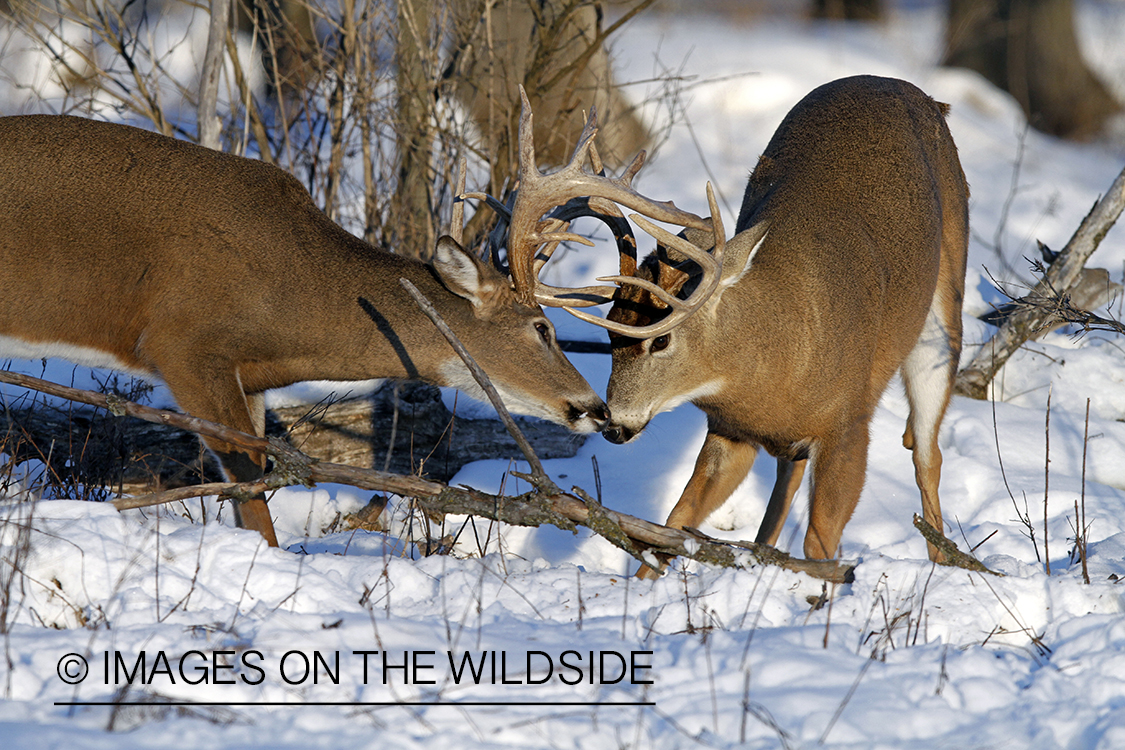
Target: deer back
(827, 282)
(125, 248)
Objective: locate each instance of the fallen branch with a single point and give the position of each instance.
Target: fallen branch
(638, 537)
(1063, 272)
(1061, 308)
(539, 476)
(291, 466)
(954, 558)
(532, 509)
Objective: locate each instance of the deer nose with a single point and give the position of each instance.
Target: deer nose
(598, 414)
(618, 433)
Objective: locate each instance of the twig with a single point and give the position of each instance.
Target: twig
(954, 557)
(229, 489)
(1061, 308)
(539, 478)
(1082, 518)
(531, 509)
(1047, 483)
(1064, 271)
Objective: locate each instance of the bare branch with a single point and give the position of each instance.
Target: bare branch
(954, 558)
(539, 476)
(1064, 271)
(1059, 308)
(292, 467)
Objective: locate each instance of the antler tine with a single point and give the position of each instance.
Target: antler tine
(717, 229)
(526, 138)
(709, 262)
(538, 193)
(552, 231)
(504, 211)
(522, 234)
(568, 297)
(596, 158)
(585, 147)
(609, 214)
(634, 167)
(499, 233)
(636, 332)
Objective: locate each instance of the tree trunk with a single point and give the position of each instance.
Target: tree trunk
(552, 48)
(1029, 49)
(850, 10)
(412, 215)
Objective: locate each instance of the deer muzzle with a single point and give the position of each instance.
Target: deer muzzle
(619, 433)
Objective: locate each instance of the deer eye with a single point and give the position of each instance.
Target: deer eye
(544, 332)
(659, 344)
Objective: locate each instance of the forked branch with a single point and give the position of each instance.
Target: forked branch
(974, 378)
(292, 467)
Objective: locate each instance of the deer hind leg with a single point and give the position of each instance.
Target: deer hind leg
(215, 394)
(928, 373)
(789, 476)
(721, 466)
(839, 471)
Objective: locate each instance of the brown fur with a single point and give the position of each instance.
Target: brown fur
(220, 276)
(863, 206)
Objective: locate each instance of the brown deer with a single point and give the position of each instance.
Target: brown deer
(848, 264)
(219, 276)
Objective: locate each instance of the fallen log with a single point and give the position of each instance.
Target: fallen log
(640, 538)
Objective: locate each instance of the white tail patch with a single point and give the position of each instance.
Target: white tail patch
(925, 374)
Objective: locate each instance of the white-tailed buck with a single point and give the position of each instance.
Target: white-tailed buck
(220, 276)
(847, 265)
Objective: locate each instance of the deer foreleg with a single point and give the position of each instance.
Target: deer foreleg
(789, 476)
(215, 394)
(839, 469)
(721, 466)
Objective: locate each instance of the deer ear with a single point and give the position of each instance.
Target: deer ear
(464, 275)
(740, 251)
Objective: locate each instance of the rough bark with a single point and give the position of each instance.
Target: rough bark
(1064, 272)
(415, 81)
(287, 39)
(137, 456)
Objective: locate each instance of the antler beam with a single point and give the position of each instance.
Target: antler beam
(546, 204)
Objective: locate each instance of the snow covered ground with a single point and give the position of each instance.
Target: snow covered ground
(309, 646)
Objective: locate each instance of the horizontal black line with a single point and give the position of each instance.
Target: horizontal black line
(585, 347)
(546, 704)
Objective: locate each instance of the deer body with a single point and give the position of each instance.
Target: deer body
(221, 277)
(848, 265)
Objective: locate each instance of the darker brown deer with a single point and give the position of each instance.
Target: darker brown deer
(220, 276)
(847, 265)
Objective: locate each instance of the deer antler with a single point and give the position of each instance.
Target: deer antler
(572, 192)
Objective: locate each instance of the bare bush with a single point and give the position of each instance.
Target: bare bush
(370, 104)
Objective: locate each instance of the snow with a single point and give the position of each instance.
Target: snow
(906, 656)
